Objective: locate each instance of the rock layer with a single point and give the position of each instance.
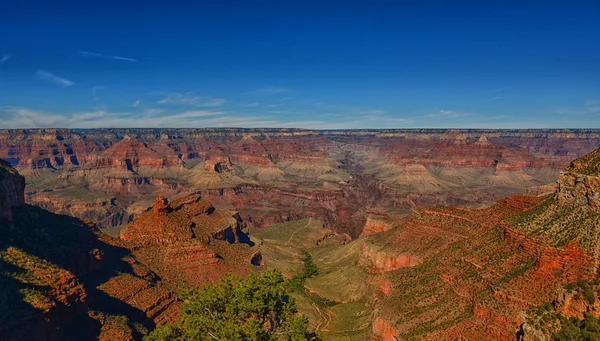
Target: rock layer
(112, 175)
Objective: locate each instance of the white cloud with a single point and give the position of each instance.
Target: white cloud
(448, 114)
(92, 54)
(136, 103)
(19, 117)
(591, 107)
(47, 76)
(189, 99)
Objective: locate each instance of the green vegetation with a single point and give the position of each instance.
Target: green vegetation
(587, 291)
(256, 308)
(341, 313)
(559, 225)
(549, 321)
(284, 243)
(588, 164)
(519, 270)
(574, 329)
(310, 271)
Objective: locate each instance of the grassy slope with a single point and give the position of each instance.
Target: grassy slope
(337, 298)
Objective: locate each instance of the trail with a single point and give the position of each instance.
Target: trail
(294, 233)
(326, 317)
(452, 216)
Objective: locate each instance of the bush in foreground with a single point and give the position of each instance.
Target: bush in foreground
(255, 308)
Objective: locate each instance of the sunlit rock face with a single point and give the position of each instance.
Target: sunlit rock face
(110, 176)
(579, 184)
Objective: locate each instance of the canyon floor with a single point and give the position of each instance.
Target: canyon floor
(416, 234)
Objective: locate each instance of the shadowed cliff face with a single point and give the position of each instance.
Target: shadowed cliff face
(51, 271)
(270, 175)
(12, 187)
(62, 279)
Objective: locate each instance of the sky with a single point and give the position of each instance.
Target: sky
(302, 64)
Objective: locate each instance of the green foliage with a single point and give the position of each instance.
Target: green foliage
(573, 329)
(587, 291)
(309, 271)
(588, 164)
(257, 308)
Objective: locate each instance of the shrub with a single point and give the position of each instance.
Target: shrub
(257, 308)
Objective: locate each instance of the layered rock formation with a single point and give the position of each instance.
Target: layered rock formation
(189, 242)
(63, 279)
(448, 273)
(112, 175)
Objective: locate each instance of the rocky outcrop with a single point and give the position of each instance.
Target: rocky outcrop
(376, 224)
(190, 241)
(12, 187)
(572, 302)
(570, 260)
(579, 190)
(579, 184)
(378, 261)
(382, 331)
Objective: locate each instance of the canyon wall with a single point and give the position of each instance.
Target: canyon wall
(112, 175)
(12, 187)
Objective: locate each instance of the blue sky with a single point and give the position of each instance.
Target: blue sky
(306, 64)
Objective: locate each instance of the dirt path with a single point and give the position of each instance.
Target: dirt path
(452, 216)
(294, 233)
(326, 317)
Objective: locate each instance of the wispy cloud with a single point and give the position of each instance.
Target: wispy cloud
(136, 103)
(189, 99)
(19, 117)
(502, 88)
(591, 108)
(249, 105)
(5, 57)
(47, 76)
(268, 91)
(99, 55)
(97, 88)
(95, 91)
(373, 112)
(448, 114)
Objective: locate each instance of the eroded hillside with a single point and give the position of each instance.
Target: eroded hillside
(386, 263)
(271, 175)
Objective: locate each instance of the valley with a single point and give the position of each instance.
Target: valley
(110, 176)
(435, 235)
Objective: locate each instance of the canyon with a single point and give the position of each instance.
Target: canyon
(416, 234)
(110, 176)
